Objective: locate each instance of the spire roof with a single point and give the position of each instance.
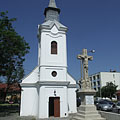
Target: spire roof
(52, 12)
(52, 4)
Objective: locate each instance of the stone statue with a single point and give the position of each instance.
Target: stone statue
(85, 81)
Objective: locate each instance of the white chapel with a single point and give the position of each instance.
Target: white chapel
(49, 90)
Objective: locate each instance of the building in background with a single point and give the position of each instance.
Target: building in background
(98, 80)
(12, 95)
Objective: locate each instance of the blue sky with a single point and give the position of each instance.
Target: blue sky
(92, 24)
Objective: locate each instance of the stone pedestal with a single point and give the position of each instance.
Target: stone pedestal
(87, 109)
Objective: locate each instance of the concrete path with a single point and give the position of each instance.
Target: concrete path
(17, 118)
(29, 118)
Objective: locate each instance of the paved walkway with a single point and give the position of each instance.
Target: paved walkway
(29, 118)
(55, 119)
(17, 117)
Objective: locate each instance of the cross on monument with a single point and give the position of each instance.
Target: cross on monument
(87, 109)
(85, 82)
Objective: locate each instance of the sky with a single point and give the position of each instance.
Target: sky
(92, 24)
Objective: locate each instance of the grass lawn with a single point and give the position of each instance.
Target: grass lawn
(7, 104)
(9, 109)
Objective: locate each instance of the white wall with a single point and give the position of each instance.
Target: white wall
(47, 36)
(72, 100)
(32, 77)
(48, 91)
(70, 79)
(110, 77)
(29, 101)
(36, 101)
(46, 74)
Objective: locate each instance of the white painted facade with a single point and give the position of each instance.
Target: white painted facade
(102, 78)
(40, 85)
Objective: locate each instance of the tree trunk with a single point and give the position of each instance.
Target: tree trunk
(7, 88)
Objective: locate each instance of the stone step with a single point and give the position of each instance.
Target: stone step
(93, 118)
(88, 119)
(88, 115)
(88, 112)
(79, 116)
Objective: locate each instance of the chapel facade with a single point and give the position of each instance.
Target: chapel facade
(49, 90)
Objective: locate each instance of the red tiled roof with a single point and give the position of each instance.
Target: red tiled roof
(13, 87)
(3, 85)
(118, 92)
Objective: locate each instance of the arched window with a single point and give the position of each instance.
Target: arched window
(53, 47)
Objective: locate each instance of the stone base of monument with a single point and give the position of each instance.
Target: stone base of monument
(87, 109)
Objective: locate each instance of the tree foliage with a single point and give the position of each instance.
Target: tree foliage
(108, 91)
(13, 49)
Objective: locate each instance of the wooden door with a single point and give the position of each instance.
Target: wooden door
(51, 106)
(57, 107)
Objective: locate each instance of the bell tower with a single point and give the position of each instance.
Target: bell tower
(52, 46)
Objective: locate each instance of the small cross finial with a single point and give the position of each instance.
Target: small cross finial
(52, 4)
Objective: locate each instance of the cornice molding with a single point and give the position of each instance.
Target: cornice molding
(49, 24)
(53, 36)
(47, 83)
(72, 86)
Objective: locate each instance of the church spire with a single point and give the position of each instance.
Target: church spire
(52, 4)
(52, 12)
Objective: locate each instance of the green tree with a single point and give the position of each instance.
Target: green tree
(0, 81)
(108, 91)
(13, 49)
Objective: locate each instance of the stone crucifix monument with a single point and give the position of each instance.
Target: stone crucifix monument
(85, 82)
(87, 109)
